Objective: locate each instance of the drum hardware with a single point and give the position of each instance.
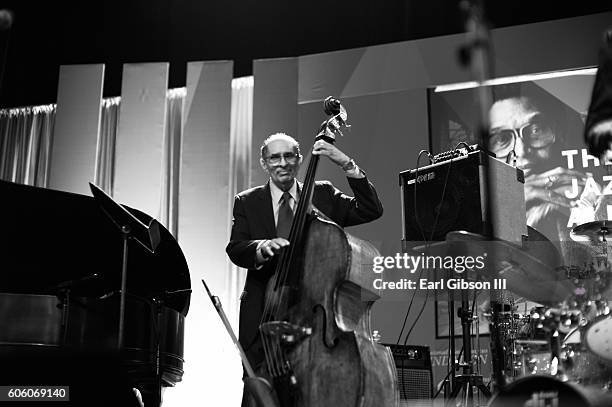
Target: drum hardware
(581, 365)
(572, 339)
(592, 237)
(542, 341)
(532, 340)
(598, 337)
(533, 348)
(512, 327)
(530, 270)
(595, 231)
(469, 379)
(546, 390)
(532, 356)
(574, 272)
(587, 347)
(537, 348)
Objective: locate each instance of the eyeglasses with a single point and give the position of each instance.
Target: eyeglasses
(290, 158)
(535, 135)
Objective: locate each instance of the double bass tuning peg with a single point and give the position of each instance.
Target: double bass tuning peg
(334, 108)
(331, 106)
(337, 119)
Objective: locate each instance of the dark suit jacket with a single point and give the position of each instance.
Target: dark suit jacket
(254, 220)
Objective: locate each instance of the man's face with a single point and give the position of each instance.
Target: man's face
(518, 126)
(281, 163)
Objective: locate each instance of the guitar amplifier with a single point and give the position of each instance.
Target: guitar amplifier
(449, 195)
(414, 374)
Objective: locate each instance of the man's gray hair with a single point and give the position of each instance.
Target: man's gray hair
(278, 136)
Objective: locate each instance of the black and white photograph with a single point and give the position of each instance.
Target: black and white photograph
(276, 204)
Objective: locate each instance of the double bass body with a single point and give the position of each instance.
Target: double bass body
(336, 362)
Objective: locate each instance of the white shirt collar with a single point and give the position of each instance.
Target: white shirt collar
(277, 193)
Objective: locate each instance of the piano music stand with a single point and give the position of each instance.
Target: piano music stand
(147, 235)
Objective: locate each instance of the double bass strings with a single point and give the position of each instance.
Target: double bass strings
(272, 348)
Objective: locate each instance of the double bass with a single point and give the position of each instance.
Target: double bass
(315, 327)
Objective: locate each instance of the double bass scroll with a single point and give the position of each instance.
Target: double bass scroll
(315, 328)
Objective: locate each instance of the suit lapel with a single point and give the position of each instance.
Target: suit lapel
(267, 211)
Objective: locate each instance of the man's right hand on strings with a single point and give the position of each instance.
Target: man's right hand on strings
(270, 248)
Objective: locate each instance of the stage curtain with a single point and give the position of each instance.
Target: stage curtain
(26, 136)
(241, 130)
(172, 159)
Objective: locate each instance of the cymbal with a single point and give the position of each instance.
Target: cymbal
(530, 268)
(595, 231)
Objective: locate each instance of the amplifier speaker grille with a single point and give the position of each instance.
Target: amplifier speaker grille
(414, 374)
(413, 383)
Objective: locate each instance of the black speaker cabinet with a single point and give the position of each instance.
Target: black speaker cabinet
(414, 374)
(449, 195)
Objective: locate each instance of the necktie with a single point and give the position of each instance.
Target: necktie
(285, 216)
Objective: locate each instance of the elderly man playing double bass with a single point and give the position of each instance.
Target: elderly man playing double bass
(262, 219)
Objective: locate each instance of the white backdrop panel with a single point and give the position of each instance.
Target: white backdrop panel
(212, 367)
(77, 124)
(139, 145)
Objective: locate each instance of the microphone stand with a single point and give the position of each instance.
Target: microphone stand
(451, 333)
(468, 380)
(478, 56)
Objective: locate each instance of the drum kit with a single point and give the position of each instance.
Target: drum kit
(557, 343)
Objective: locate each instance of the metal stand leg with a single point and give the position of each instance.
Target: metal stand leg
(467, 380)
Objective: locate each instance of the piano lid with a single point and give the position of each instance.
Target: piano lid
(52, 238)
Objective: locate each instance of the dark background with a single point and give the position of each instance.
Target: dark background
(46, 34)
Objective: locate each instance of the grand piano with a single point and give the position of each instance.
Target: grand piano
(60, 285)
